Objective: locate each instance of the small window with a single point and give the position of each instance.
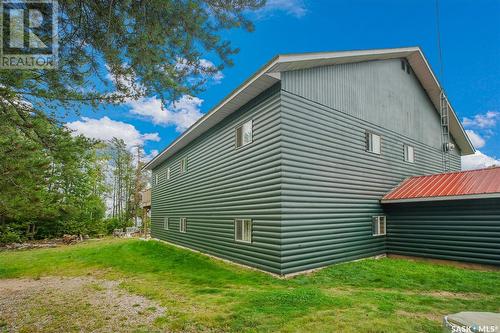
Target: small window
(378, 225)
(244, 134)
(409, 153)
(403, 65)
(165, 223)
(157, 179)
(184, 165)
(243, 230)
(168, 173)
(182, 224)
(373, 143)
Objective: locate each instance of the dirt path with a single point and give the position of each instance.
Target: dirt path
(79, 304)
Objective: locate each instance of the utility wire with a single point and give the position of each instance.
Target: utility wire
(440, 52)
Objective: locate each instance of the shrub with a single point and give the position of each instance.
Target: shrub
(8, 236)
(113, 223)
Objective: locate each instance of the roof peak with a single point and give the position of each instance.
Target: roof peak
(268, 75)
(386, 49)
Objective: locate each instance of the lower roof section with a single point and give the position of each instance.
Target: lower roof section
(473, 184)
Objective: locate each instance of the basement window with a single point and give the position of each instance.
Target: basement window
(244, 134)
(183, 165)
(378, 225)
(409, 153)
(243, 230)
(183, 224)
(165, 223)
(373, 143)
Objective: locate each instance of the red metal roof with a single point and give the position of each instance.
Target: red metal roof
(447, 186)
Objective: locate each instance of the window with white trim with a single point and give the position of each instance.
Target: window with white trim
(182, 224)
(373, 143)
(168, 173)
(378, 225)
(165, 223)
(157, 179)
(244, 134)
(409, 153)
(243, 230)
(183, 165)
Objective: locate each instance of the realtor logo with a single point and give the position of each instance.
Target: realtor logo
(29, 34)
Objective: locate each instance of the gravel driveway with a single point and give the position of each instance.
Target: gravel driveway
(80, 304)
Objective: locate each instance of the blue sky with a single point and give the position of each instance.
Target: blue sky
(470, 33)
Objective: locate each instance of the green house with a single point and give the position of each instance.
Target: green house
(286, 173)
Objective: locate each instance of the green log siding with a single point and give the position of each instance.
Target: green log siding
(332, 186)
(306, 181)
(462, 230)
(223, 183)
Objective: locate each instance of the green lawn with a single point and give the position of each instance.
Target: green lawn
(204, 294)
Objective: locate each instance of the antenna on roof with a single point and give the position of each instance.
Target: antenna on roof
(440, 52)
(443, 103)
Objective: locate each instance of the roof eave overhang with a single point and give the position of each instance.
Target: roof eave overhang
(433, 90)
(269, 74)
(205, 122)
(442, 198)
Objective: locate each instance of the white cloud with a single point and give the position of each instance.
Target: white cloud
(181, 114)
(204, 69)
(476, 139)
(296, 8)
(478, 161)
(207, 64)
(106, 129)
(152, 154)
(485, 120)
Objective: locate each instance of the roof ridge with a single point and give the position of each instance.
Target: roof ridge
(261, 81)
(414, 47)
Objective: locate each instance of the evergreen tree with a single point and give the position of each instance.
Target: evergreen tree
(52, 182)
(152, 47)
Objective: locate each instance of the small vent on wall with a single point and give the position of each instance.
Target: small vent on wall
(405, 66)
